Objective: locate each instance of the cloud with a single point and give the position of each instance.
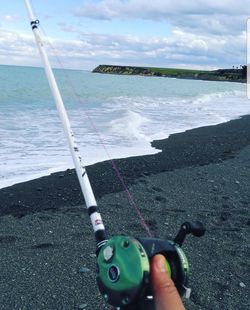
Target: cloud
(212, 16)
(180, 48)
(18, 48)
(108, 9)
(186, 48)
(211, 32)
(10, 18)
(14, 44)
(208, 34)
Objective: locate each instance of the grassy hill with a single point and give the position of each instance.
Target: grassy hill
(234, 75)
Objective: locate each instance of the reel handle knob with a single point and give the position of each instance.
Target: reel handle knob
(195, 228)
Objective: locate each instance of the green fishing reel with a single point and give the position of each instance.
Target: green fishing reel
(123, 267)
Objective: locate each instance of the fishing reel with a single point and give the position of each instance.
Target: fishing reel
(123, 267)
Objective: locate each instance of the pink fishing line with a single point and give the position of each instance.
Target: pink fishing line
(118, 174)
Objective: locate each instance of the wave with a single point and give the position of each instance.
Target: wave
(33, 144)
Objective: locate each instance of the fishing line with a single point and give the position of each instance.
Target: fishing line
(102, 143)
(123, 272)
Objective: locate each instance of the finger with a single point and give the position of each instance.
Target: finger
(165, 293)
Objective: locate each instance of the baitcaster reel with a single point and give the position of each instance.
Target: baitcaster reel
(123, 267)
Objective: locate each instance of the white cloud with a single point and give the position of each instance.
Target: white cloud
(210, 16)
(10, 18)
(107, 9)
(20, 49)
(13, 43)
(203, 34)
(190, 49)
(181, 48)
(208, 31)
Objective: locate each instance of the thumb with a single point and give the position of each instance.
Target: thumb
(165, 293)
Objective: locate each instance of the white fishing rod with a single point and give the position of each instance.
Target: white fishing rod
(123, 262)
(86, 188)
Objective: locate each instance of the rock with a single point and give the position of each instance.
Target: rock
(84, 269)
(82, 306)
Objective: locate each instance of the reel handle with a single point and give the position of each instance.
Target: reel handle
(195, 228)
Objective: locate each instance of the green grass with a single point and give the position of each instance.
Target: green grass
(176, 71)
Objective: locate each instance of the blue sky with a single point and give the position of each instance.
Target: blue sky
(166, 33)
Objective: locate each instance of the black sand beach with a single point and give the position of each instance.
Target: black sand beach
(47, 247)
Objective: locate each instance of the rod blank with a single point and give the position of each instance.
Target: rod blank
(86, 188)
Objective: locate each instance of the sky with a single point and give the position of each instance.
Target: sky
(81, 34)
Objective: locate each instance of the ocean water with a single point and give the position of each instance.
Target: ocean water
(112, 116)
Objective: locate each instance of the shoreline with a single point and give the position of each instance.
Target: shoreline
(176, 152)
(201, 174)
(47, 173)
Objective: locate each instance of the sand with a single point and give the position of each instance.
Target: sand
(47, 246)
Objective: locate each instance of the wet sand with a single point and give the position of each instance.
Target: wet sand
(47, 246)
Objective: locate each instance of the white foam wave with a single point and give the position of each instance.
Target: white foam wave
(129, 126)
(33, 144)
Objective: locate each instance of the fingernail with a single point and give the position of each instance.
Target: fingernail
(161, 264)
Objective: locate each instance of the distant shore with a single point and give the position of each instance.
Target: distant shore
(229, 75)
(47, 245)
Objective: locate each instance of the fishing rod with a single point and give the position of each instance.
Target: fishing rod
(123, 262)
(86, 188)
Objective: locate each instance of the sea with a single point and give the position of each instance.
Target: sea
(112, 116)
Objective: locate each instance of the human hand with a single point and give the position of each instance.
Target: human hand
(166, 295)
